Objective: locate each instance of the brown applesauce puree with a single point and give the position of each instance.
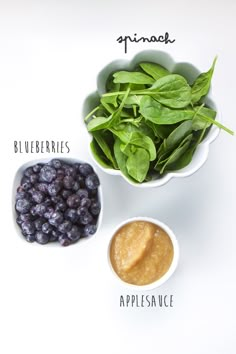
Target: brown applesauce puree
(141, 252)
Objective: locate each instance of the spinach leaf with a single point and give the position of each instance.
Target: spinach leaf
(138, 164)
(123, 77)
(155, 70)
(202, 84)
(98, 155)
(158, 114)
(198, 122)
(121, 158)
(140, 140)
(174, 139)
(100, 139)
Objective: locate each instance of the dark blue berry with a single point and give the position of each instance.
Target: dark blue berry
(66, 193)
(73, 201)
(28, 227)
(56, 219)
(85, 202)
(85, 169)
(38, 197)
(40, 209)
(42, 187)
(89, 229)
(72, 215)
(26, 217)
(55, 235)
(92, 182)
(18, 220)
(54, 188)
(47, 228)
(22, 195)
(86, 218)
(82, 193)
(75, 186)
(95, 207)
(30, 238)
(23, 206)
(33, 210)
(29, 171)
(61, 206)
(65, 227)
(37, 168)
(50, 210)
(56, 163)
(64, 240)
(41, 237)
(25, 183)
(38, 223)
(74, 234)
(34, 178)
(70, 171)
(68, 182)
(47, 174)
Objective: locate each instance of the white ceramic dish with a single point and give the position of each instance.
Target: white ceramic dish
(16, 183)
(185, 69)
(174, 263)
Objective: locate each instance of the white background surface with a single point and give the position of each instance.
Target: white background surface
(56, 300)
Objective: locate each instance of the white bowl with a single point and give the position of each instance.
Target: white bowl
(190, 73)
(16, 183)
(174, 263)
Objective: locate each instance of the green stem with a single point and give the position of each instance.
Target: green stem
(219, 125)
(91, 113)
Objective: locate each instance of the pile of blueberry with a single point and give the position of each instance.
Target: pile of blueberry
(58, 201)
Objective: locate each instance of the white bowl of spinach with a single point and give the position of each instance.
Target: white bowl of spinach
(151, 119)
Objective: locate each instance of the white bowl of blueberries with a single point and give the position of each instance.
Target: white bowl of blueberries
(58, 200)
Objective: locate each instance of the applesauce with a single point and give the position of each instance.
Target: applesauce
(141, 252)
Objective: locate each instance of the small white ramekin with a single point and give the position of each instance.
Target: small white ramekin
(16, 183)
(174, 263)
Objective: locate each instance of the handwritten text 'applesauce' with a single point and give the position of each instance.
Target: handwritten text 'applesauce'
(160, 39)
(146, 301)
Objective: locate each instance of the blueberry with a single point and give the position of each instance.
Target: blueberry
(66, 193)
(73, 201)
(18, 220)
(49, 212)
(60, 173)
(25, 183)
(38, 197)
(34, 178)
(89, 229)
(47, 228)
(85, 202)
(68, 182)
(82, 193)
(33, 210)
(23, 206)
(30, 238)
(86, 218)
(56, 163)
(42, 187)
(26, 217)
(64, 240)
(28, 227)
(70, 171)
(65, 227)
(82, 211)
(72, 215)
(74, 234)
(54, 188)
(95, 207)
(38, 223)
(85, 169)
(55, 235)
(48, 202)
(56, 199)
(41, 237)
(37, 168)
(47, 174)
(40, 209)
(61, 206)
(22, 195)
(56, 218)
(75, 186)
(80, 180)
(92, 181)
(29, 171)
(76, 167)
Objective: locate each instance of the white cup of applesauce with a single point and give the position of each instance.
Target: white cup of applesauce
(143, 253)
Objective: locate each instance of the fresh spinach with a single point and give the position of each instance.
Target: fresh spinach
(150, 121)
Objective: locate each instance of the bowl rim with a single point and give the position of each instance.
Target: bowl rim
(203, 147)
(18, 175)
(174, 262)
